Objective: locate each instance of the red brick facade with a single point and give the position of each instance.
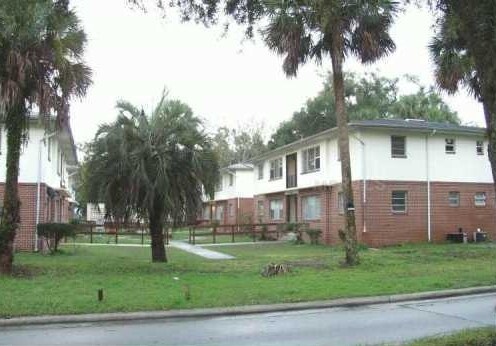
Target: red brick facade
(54, 207)
(378, 225)
(234, 211)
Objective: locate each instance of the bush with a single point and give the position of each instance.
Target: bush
(314, 235)
(54, 232)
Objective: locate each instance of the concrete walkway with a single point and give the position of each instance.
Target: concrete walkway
(197, 250)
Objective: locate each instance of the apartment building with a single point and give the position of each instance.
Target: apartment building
(48, 165)
(233, 200)
(413, 181)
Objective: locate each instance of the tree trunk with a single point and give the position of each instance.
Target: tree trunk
(350, 234)
(11, 212)
(157, 235)
(490, 115)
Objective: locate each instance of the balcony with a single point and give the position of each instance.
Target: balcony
(291, 181)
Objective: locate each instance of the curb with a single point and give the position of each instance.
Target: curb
(243, 310)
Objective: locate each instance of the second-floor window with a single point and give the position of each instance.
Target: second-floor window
(231, 180)
(311, 159)
(260, 168)
(450, 146)
(59, 162)
(398, 146)
(479, 147)
(276, 169)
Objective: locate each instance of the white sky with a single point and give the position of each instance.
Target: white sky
(225, 80)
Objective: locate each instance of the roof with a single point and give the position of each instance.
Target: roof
(415, 125)
(238, 167)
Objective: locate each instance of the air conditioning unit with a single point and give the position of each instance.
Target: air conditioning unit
(480, 237)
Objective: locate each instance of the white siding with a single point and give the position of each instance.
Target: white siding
(242, 185)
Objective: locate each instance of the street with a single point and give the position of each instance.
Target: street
(374, 324)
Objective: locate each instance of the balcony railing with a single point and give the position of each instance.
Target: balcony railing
(290, 181)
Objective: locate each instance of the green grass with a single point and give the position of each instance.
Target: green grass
(68, 283)
(470, 337)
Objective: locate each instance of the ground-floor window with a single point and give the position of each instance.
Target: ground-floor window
(399, 201)
(219, 213)
(260, 209)
(310, 207)
(480, 199)
(340, 202)
(276, 209)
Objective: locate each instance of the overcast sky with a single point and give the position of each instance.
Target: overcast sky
(225, 80)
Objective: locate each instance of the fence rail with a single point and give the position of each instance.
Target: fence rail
(112, 229)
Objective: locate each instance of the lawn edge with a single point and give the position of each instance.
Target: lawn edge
(242, 310)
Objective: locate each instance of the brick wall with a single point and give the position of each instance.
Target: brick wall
(51, 210)
(378, 225)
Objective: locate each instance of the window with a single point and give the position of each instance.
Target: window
(261, 208)
(398, 201)
(340, 202)
(276, 209)
(49, 149)
(260, 167)
(231, 180)
(218, 186)
(219, 213)
(310, 208)
(450, 146)
(311, 159)
(276, 169)
(480, 199)
(454, 198)
(59, 162)
(479, 147)
(398, 146)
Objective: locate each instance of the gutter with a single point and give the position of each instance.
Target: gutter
(38, 186)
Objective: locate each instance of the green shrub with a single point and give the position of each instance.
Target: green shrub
(54, 233)
(314, 235)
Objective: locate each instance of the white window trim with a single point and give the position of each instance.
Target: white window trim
(319, 203)
(260, 171)
(278, 171)
(479, 145)
(306, 161)
(451, 200)
(451, 152)
(484, 199)
(398, 156)
(393, 204)
(281, 209)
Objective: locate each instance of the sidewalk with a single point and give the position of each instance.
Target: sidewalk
(243, 310)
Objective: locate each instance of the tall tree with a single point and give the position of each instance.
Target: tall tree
(464, 52)
(367, 97)
(152, 167)
(310, 29)
(41, 48)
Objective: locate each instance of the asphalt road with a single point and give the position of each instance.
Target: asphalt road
(364, 325)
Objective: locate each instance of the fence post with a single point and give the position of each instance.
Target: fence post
(116, 234)
(194, 240)
(189, 235)
(142, 236)
(214, 234)
(166, 235)
(232, 233)
(91, 234)
(253, 232)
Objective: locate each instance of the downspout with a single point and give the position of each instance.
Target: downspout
(364, 183)
(38, 187)
(428, 181)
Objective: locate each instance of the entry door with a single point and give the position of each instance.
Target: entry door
(292, 208)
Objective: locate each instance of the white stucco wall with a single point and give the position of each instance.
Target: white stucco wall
(28, 165)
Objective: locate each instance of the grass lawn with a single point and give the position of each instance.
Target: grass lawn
(471, 337)
(68, 283)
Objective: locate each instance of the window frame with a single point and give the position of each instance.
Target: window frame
(276, 167)
(318, 212)
(260, 168)
(452, 199)
(272, 213)
(393, 148)
(484, 198)
(393, 204)
(447, 144)
(479, 148)
(311, 157)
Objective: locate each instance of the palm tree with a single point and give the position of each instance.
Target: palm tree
(310, 29)
(152, 167)
(463, 52)
(41, 47)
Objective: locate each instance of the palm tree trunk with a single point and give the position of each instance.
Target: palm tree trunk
(11, 203)
(157, 235)
(350, 241)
